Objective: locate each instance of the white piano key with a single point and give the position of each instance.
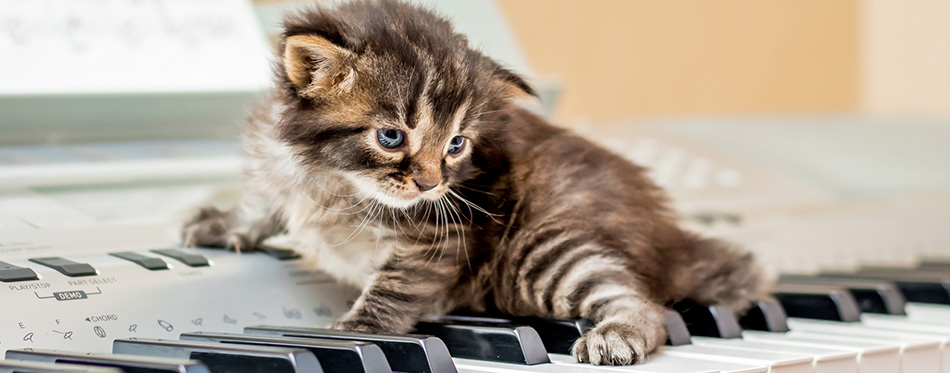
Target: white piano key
(480, 366)
(668, 364)
(825, 360)
(902, 326)
(918, 354)
(872, 357)
(904, 323)
(935, 313)
(776, 361)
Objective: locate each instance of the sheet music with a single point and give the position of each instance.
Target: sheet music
(130, 46)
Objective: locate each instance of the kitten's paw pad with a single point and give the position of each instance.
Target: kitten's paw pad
(611, 344)
(210, 227)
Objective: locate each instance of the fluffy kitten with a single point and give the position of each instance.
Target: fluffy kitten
(391, 151)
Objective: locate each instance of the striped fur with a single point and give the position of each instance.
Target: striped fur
(529, 219)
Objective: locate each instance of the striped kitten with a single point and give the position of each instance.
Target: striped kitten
(391, 151)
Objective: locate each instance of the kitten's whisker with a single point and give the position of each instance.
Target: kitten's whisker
(435, 235)
(474, 206)
(444, 216)
(462, 185)
(331, 193)
(363, 223)
(423, 223)
(304, 193)
(464, 241)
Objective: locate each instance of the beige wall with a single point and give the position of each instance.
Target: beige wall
(906, 57)
(620, 58)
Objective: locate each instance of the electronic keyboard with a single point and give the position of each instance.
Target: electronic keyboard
(121, 298)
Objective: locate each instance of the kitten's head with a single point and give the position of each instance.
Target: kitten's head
(389, 96)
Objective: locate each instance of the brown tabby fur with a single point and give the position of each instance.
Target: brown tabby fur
(529, 220)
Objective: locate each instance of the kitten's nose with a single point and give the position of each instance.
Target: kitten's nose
(423, 186)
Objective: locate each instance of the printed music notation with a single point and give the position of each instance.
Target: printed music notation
(130, 45)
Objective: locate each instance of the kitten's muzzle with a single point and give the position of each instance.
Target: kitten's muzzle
(424, 185)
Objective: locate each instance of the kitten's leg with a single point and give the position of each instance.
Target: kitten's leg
(628, 325)
(238, 229)
(402, 291)
(722, 274)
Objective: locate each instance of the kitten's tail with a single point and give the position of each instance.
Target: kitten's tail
(719, 273)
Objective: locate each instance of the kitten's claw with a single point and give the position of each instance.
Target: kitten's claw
(611, 343)
(210, 227)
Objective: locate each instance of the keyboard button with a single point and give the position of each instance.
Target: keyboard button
(405, 352)
(935, 265)
(708, 321)
(488, 341)
(191, 260)
(279, 253)
(12, 273)
(765, 315)
(9, 366)
(817, 302)
(677, 333)
(224, 357)
(873, 296)
(147, 262)
(125, 362)
(66, 266)
(335, 356)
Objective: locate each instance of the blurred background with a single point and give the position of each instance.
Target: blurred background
(791, 125)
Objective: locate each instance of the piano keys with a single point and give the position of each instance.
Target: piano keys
(214, 317)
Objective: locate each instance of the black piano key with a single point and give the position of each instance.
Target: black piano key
(124, 362)
(224, 357)
(405, 352)
(873, 296)
(488, 341)
(15, 366)
(335, 356)
(817, 302)
(677, 333)
(765, 315)
(708, 321)
(922, 287)
(558, 335)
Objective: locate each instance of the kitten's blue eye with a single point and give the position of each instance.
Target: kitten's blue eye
(456, 145)
(390, 138)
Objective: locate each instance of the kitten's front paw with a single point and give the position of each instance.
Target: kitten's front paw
(210, 227)
(355, 326)
(612, 343)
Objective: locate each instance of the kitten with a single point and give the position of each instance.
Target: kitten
(391, 150)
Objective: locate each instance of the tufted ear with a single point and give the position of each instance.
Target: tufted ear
(313, 63)
(517, 86)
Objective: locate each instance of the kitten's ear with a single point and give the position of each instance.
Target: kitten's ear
(517, 86)
(313, 63)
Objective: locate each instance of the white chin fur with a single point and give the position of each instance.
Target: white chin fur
(369, 188)
(396, 202)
